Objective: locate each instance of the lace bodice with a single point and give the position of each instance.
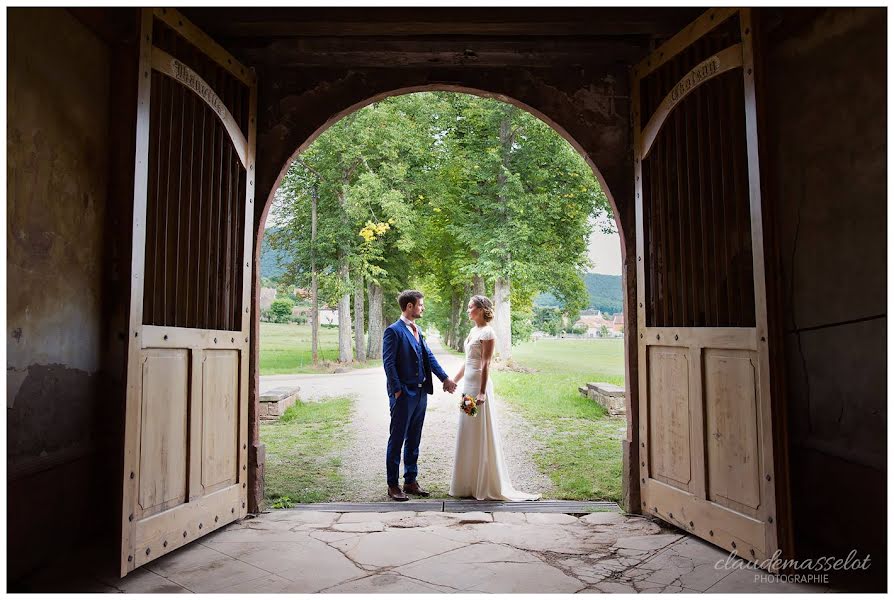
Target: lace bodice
(472, 377)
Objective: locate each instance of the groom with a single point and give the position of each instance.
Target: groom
(408, 365)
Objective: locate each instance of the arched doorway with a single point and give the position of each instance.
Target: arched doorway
(561, 147)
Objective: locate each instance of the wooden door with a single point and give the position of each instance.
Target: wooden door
(706, 411)
(186, 430)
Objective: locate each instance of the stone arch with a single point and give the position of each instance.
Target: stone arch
(593, 118)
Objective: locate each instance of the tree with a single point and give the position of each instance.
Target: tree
(451, 193)
(281, 310)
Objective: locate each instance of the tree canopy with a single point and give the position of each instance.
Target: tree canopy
(446, 192)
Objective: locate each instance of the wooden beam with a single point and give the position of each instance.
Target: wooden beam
(371, 52)
(305, 22)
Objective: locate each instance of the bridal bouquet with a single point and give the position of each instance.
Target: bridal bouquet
(469, 405)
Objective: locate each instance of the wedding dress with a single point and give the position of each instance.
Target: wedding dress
(479, 470)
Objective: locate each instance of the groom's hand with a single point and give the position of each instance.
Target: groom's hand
(449, 385)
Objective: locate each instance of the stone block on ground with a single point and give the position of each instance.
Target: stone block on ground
(609, 396)
(275, 402)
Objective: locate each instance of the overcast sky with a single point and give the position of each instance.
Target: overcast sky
(605, 253)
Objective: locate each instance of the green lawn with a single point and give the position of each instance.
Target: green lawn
(301, 447)
(285, 349)
(581, 443)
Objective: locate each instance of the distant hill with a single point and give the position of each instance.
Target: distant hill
(270, 257)
(606, 293)
(605, 290)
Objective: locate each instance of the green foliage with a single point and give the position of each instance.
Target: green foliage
(547, 319)
(581, 444)
(282, 502)
(522, 326)
(605, 293)
(285, 349)
(281, 310)
(303, 450)
(431, 189)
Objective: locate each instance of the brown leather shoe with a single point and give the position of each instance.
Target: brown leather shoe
(395, 493)
(415, 489)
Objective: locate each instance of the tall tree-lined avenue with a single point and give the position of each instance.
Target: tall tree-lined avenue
(449, 193)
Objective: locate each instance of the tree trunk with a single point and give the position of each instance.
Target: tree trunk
(359, 327)
(458, 320)
(450, 339)
(502, 309)
(314, 282)
(376, 321)
(502, 318)
(344, 316)
(478, 285)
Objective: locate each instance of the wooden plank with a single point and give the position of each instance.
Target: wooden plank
(203, 42)
(313, 22)
(169, 530)
(182, 73)
(134, 366)
(196, 412)
(669, 422)
(248, 231)
(641, 298)
(760, 282)
(688, 35)
(701, 216)
(732, 428)
(220, 417)
(164, 430)
(182, 337)
(704, 337)
(708, 69)
(697, 418)
(680, 225)
(712, 522)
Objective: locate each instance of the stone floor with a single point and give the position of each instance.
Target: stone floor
(429, 552)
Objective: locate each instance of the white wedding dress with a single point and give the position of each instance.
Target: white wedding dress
(479, 470)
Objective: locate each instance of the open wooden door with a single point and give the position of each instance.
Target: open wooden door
(706, 408)
(186, 430)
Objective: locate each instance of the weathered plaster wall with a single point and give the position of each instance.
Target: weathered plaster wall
(826, 108)
(58, 90)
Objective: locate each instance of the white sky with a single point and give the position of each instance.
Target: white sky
(605, 253)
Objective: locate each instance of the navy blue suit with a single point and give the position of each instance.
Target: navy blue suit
(408, 367)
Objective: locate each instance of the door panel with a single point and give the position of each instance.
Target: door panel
(669, 415)
(706, 418)
(186, 430)
(220, 381)
(733, 451)
(164, 435)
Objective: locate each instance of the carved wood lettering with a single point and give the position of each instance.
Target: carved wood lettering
(189, 78)
(704, 70)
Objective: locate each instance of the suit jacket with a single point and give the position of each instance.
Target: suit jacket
(408, 364)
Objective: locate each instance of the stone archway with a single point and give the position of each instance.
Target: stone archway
(617, 165)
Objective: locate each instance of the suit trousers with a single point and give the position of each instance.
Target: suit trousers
(407, 416)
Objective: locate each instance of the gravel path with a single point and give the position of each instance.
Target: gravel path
(363, 463)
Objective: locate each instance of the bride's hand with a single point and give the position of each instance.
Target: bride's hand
(480, 398)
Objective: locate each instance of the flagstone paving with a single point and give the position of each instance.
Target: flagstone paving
(294, 551)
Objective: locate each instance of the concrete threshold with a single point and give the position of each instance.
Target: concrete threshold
(540, 506)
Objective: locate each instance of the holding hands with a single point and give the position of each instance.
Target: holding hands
(449, 385)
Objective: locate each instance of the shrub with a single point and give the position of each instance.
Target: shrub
(281, 310)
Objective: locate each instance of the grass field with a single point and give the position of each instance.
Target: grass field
(285, 349)
(302, 463)
(581, 443)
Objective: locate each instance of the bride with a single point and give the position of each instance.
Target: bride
(479, 470)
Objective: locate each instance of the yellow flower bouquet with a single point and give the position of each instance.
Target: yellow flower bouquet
(469, 405)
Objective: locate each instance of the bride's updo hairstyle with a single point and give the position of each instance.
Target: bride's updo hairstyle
(486, 306)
